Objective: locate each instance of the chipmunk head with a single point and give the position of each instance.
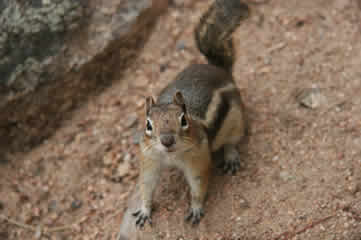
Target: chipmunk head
(168, 127)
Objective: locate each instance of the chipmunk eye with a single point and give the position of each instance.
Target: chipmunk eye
(148, 128)
(183, 121)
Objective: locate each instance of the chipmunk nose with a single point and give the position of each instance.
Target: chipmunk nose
(167, 140)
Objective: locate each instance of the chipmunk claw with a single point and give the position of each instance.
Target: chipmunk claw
(142, 217)
(231, 167)
(194, 216)
(232, 161)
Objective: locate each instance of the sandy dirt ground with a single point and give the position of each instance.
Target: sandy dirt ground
(301, 174)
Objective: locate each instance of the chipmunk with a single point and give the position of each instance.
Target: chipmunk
(198, 113)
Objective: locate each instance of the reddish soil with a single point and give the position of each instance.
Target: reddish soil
(301, 177)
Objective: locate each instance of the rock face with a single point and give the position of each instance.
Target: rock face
(55, 53)
(32, 35)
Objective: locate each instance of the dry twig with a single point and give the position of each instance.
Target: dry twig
(290, 235)
(39, 230)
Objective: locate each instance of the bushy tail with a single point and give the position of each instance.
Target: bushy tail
(213, 33)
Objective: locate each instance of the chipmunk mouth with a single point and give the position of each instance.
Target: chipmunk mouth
(171, 149)
(164, 149)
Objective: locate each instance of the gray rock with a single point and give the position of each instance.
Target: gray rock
(54, 54)
(31, 35)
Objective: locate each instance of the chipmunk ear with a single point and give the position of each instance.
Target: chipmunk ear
(179, 100)
(149, 102)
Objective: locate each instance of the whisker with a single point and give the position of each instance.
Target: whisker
(144, 150)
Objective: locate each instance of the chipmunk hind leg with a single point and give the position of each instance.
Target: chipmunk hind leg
(230, 136)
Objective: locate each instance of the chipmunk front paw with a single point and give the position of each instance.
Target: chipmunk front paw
(194, 216)
(142, 216)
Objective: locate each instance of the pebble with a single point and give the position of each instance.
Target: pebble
(163, 67)
(76, 204)
(267, 60)
(285, 176)
(52, 205)
(243, 203)
(108, 159)
(180, 45)
(311, 98)
(38, 232)
(127, 158)
(353, 188)
(123, 169)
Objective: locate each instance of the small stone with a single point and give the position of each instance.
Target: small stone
(123, 169)
(52, 205)
(53, 216)
(76, 204)
(267, 60)
(180, 45)
(163, 67)
(311, 98)
(36, 212)
(127, 158)
(300, 23)
(353, 188)
(265, 69)
(108, 158)
(38, 232)
(243, 203)
(285, 176)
